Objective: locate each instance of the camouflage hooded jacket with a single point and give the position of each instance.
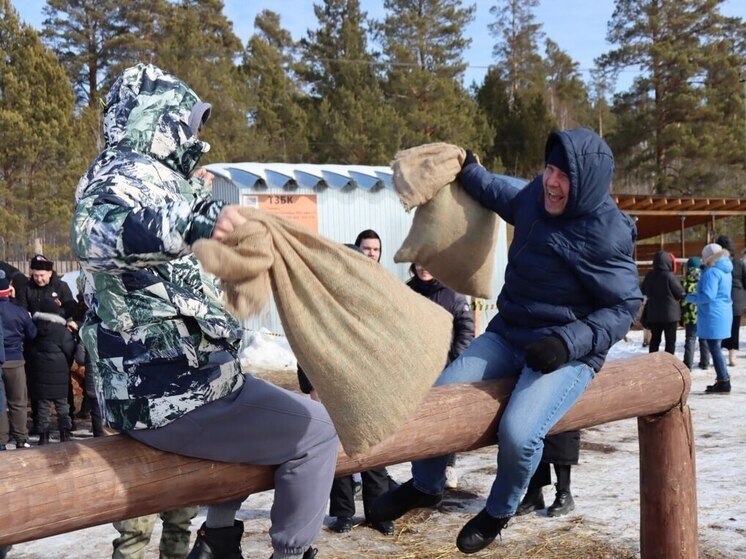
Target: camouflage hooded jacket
(160, 341)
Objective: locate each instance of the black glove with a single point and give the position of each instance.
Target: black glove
(469, 158)
(546, 354)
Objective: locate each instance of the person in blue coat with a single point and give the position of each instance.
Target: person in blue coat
(570, 292)
(715, 309)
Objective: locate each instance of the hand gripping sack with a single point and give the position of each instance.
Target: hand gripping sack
(370, 345)
(452, 235)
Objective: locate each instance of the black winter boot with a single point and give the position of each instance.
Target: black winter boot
(396, 503)
(43, 438)
(719, 386)
(309, 554)
(563, 503)
(218, 543)
(65, 435)
(533, 501)
(480, 532)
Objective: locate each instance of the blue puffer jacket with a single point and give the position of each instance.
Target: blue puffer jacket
(574, 275)
(713, 300)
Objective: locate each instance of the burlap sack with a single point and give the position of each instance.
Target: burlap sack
(452, 235)
(370, 345)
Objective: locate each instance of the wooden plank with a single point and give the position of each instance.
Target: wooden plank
(63, 487)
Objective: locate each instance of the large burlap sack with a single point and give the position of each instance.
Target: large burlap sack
(452, 235)
(370, 345)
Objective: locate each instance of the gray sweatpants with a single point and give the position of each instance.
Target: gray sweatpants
(265, 425)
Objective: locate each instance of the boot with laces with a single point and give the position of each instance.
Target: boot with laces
(480, 532)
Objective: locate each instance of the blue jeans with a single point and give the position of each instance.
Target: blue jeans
(538, 401)
(721, 370)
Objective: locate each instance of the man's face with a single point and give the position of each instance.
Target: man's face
(371, 248)
(556, 190)
(41, 277)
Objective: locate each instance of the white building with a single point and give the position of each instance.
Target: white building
(337, 201)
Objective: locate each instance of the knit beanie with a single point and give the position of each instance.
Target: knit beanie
(4, 285)
(710, 249)
(48, 306)
(557, 156)
(725, 242)
(694, 262)
(39, 262)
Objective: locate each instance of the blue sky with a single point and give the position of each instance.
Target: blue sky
(578, 26)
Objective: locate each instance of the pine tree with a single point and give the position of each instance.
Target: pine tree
(278, 120)
(39, 165)
(568, 95)
(423, 44)
(350, 119)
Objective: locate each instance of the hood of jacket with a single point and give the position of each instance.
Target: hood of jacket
(721, 261)
(591, 167)
(662, 261)
(147, 111)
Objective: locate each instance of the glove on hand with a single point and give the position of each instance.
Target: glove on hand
(546, 354)
(469, 158)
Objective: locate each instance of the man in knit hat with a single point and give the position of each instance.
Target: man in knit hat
(570, 292)
(17, 329)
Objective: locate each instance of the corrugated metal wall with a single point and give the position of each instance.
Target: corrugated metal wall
(342, 214)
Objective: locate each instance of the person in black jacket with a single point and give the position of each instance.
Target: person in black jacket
(663, 306)
(50, 358)
(738, 294)
(426, 285)
(46, 284)
(18, 330)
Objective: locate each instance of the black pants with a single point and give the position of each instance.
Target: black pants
(542, 476)
(45, 411)
(663, 328)
(342, 496)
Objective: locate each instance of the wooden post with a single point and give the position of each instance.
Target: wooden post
(115, 477)
(668, 486)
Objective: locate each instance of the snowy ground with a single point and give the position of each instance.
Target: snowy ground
(605, 486)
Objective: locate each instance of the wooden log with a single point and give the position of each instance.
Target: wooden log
(668, 491)
(64, 487)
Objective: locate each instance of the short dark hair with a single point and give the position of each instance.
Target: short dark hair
(367, 234)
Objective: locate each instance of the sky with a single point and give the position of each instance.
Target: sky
(578, 26)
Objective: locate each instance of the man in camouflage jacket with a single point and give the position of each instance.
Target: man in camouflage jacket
(164, 350)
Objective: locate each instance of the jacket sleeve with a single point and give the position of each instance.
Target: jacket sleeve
(491, 191)
(2, 345)
(463, 326)
(707, 288)
(611, 280)
(676, 289)
(68, 347)
(80, 353)
(115, 231)
(29, 328)
(67, 300)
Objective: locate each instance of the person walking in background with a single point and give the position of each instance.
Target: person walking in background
(663, 307)
(738, 295)
(426, 285)
(563, 451)
(18, 330)
(50, 358)
(714, 309)
(689, 316)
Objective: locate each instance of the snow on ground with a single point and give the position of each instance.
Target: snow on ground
(605, 486)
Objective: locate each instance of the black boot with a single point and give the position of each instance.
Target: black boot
(563, 503)
(719, 386)
(533, 501)
(43, 438)
(480, 532)
(218, 543)
(396, 503)
(65, 435)
(342, 525)
(309, 554)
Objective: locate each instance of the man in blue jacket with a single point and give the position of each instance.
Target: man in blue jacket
(570, 292)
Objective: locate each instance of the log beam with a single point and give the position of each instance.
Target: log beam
(64, 487)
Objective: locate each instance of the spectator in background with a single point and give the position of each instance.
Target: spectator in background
(46, 284)
(18, 283)
(689, 316)
(714, 309)
(50, 358)
(369, 243)
(18, 329)
(737, 295)
(426, 285)
(663, 308)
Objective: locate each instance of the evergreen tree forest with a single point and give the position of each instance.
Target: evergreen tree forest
(355, 90)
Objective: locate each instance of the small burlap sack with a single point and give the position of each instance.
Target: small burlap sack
(452, 235)
(371, 346)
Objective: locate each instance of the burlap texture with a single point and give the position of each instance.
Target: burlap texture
(452, 235)
(370, 345)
